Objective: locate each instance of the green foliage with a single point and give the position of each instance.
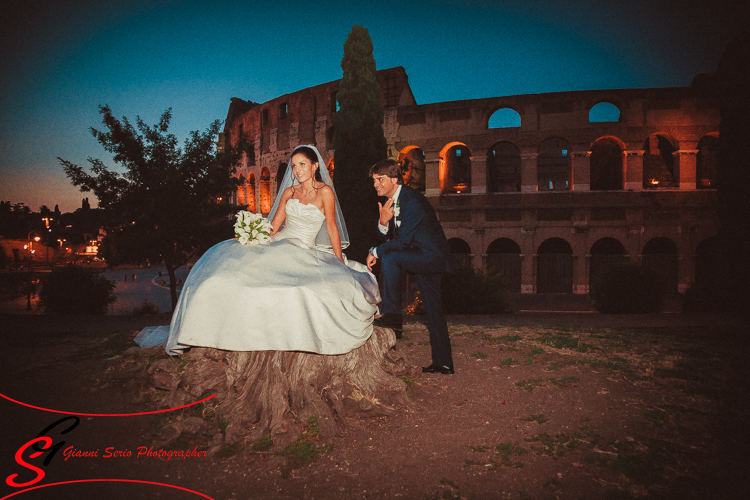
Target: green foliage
(704, 296)
(478, 355)
(303, 451)
(263, 444)
(471, 291)
(628, 288)
(359, 140)
(76, 290)
(164, 206)
(146, 307)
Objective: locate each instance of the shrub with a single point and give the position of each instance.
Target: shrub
(628, 288)
(471, 291)
(147, 307)
(704, 296)
(76, 290)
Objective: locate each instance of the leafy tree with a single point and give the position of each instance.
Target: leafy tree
(358, 139)
(76, 290)
(165, 206)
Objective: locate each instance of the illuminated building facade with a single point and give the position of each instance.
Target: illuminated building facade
(550, 189)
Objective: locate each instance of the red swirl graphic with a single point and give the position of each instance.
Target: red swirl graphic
(106, 480)
(106, 414)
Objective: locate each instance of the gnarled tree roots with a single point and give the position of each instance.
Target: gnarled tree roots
(275, 393)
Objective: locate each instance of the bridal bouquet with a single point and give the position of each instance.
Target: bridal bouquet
(252, 229)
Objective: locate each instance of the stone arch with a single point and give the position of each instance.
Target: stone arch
(460, 252)
(411, 159)
(250, 193)
(605, 253)
(280, 171)
(330, 166)
(706, 259)
(606, 164)
(503, 168)
(455, 168)
(504, 257)
(553, 165)
(604, 112)
(706, 161)
(265, 190)
(660, 255)
(658, 161)
(554, 266)
(504, 118)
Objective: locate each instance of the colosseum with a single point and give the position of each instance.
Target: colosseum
(549, 189)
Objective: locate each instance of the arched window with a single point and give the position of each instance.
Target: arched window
(658, 162)
(280, 171)
(455, 170)
(504, 118)
(330, 167)
(411, 159)
(605, 253)
(660, 255)
(554, 267)
(250, 197)
(553, 165)
(606, 164)
(460, 252)
(705, 166)
(504, 168)
(504, 257)
(265, 190)
(604, 112)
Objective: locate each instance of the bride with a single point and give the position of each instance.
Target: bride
(297, 293)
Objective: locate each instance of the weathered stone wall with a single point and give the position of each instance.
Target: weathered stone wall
(570, 185)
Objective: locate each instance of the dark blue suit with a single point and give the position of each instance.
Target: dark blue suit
(417, 245)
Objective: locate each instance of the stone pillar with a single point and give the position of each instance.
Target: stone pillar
(528, 260)
(432, 173)
(580, 276)
(293, 134)
(581, 165)
(684, 167)
(272, 141)
(633, 174)
(478, 174)
(320, 134)
(529, 178)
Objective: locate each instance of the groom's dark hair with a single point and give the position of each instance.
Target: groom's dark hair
(389, 168)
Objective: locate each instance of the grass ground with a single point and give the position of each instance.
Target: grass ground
(542, 407)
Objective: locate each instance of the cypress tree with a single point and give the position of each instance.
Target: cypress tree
(359, 141)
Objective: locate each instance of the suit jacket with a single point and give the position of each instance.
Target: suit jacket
(419, 227)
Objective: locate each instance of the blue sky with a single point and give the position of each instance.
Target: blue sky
(61, 59)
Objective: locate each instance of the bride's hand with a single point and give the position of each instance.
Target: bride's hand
(273, 231)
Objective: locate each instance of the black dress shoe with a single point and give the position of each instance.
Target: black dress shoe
(393, 321)
(442, 369)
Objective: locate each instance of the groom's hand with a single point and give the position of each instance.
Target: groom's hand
(386, 211)
(371, 261)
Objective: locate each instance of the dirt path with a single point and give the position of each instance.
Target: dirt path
(542, 406)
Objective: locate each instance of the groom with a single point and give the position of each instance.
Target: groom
(414, 243)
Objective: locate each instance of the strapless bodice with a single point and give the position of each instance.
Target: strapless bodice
(303, 222)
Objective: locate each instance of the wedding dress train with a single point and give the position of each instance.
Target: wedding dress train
(285, 296)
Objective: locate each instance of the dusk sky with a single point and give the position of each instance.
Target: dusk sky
(60, 60)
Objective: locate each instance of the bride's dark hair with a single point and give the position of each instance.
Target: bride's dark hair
(310, 155)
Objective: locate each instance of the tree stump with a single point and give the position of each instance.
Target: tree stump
(274, 393)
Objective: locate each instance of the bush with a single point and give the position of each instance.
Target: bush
(76, 290)
(471, 291)
(704, 296)
(147, 307)
(628, 288)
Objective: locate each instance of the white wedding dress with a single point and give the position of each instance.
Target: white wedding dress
(284, 296)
